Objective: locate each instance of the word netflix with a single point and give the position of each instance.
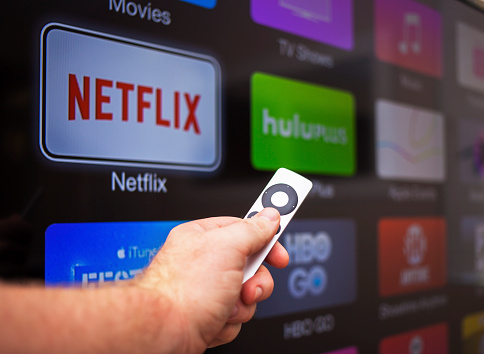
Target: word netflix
(148, 100)
(147, 183)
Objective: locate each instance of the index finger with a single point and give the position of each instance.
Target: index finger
(208, 224)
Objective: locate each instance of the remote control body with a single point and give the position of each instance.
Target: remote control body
(285, 192)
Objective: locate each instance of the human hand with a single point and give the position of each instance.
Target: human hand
(200, 270)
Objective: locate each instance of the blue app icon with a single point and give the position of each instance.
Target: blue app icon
(209, 4)
(89, 253)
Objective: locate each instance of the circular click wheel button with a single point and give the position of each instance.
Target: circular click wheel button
(280, 196)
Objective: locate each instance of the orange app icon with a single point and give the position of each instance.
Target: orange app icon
(411, 254)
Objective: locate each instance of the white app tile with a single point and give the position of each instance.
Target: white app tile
(109, 100)
(409, 143)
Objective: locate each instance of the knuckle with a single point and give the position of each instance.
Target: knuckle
(230, 332)
(249, 314)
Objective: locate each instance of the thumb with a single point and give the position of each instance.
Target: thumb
(250, 235)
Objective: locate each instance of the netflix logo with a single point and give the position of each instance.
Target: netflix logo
(142, 104)
(109, 100)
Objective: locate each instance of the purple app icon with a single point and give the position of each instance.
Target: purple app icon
(409, 34)
(326, 21)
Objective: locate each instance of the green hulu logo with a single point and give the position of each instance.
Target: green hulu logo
(305, 127)
(297, 129)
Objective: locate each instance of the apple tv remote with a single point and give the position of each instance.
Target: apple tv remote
(285, 192)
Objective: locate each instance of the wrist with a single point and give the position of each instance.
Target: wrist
(167, 327)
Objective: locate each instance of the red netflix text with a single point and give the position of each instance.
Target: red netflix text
(80, 94)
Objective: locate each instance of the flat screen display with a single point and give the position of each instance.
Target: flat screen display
(122, 119)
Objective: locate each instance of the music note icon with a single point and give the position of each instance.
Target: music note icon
(412, 34)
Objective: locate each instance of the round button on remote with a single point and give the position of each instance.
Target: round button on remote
(291, 194)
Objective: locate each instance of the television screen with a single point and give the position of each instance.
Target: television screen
(122, 119)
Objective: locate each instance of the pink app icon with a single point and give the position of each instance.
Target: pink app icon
(409, 34)
(479, 62)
